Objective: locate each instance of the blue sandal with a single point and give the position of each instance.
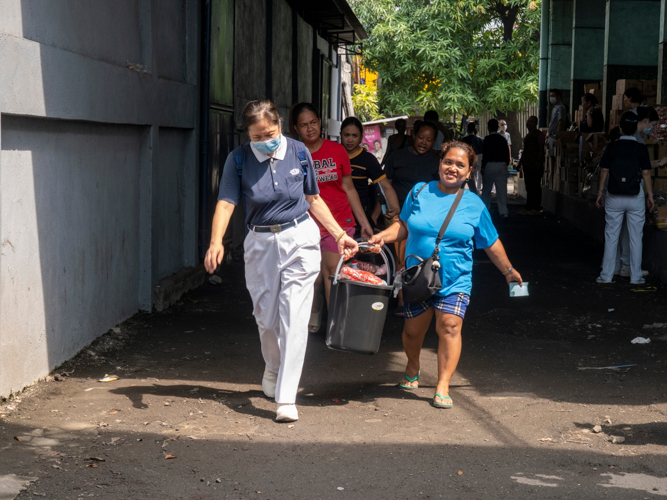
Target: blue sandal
(410, 387)
(450, 404)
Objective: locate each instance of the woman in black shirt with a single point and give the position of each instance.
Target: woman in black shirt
(366, 171)
(594, 120)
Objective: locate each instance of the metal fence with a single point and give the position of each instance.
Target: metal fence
(530, 110)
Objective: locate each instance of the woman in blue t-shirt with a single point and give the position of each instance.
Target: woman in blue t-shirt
(423, 213)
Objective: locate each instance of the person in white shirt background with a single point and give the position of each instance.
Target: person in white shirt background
(502, 130)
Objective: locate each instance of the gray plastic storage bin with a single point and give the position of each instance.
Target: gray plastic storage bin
(356, 313)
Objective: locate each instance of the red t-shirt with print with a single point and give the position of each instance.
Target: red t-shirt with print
(331, 163)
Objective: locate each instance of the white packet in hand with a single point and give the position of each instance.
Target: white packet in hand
(519, 291)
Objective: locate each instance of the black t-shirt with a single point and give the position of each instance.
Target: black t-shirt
(475, 142)
(598, 122)
(494, 149)
(406, 168)
(365, 167)
(625, 159)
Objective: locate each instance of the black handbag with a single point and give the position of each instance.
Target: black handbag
(422, 281)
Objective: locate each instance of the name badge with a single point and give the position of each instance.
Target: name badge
(294, 171)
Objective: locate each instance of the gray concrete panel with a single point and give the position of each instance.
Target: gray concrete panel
(171, 44)
(632, 32)
(69, 224)
(560, 45)
(282, 55)
(105, 30)
(305, 34)
(168, 213)
(82, 180)
(40, 80)
(249, 57)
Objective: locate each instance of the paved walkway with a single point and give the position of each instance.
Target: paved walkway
(187, 418)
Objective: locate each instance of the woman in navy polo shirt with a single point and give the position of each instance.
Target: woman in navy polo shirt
(423, 212)
(275, 178)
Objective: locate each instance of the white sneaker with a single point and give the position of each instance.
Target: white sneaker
(269, 383)
(600, 280)
(287, 413)
(640, 281)
(625, 272)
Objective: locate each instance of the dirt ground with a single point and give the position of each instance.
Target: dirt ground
(187, 418)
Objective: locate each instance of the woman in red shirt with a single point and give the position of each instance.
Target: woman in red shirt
(334, 178)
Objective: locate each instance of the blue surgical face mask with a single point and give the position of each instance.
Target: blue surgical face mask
(647, 130)
(267, 147)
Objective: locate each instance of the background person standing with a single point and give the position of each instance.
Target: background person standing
(625, 162)
(558, 122)
(407, 167)
(397, 141)
(476, 143)
(532, 164)
(502, 128)
(431, 116)
(594, 120)
(366, 171)
(495, 159)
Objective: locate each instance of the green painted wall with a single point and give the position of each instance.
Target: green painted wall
(560, 44)
(632, 32)
(588, 30)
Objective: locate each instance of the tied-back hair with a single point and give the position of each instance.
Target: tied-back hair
(470, 153)
(256, 111)
(629, 123)
(588, 97)
(644, 112)
(634, 94)
(352, 121)
(299, 108)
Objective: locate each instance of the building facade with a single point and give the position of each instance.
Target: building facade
(107, 177)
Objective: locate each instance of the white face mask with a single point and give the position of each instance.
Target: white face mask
(552, 100)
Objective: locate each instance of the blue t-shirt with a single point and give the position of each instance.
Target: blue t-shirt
(273, 189)
(424, 215)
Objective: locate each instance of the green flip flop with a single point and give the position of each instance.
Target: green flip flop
(410, 387)
(441, 404)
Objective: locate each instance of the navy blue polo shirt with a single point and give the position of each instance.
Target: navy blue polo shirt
(273, 188)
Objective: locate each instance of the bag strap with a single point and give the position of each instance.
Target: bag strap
(450, 214)
(304, 162)
(420, 190)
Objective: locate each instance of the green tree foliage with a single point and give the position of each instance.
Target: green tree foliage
(365, 103)
(455, 56)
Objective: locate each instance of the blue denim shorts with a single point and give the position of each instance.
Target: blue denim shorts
(451, 304)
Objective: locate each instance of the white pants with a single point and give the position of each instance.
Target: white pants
(496, 173)
(623, 253)
(616, 207)
(280, 271)
(623, 250)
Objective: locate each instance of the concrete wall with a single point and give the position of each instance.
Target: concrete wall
(560, 47)
(282, 58)
(305, 42)
(70, 233)
(249, 53)
(98, 169)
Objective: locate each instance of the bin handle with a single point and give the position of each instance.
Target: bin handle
(366, 245)
(391, 256)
